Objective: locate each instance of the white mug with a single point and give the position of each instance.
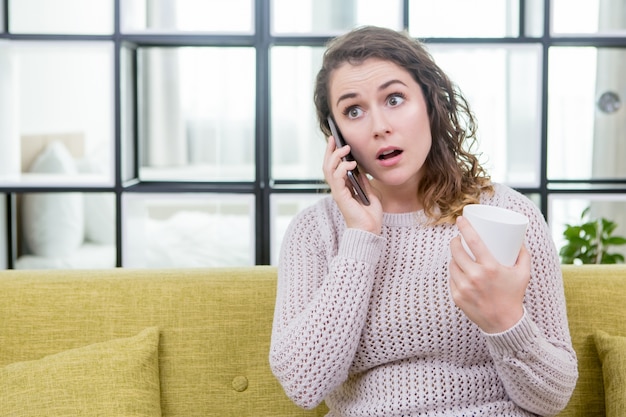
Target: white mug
(500, 229)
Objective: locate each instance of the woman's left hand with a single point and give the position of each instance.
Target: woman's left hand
(490, 294)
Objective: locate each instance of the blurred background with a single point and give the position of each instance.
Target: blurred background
(151, 133)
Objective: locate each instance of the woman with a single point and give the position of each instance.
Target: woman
(379, 309)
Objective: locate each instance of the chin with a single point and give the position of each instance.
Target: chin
(395, 182)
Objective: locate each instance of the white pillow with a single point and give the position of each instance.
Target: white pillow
(53, 222)
(99, 208)
(88, 256)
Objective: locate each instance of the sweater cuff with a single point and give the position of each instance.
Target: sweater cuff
(361, 245)
(515, 339)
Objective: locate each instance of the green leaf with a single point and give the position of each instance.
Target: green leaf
(569, 251)
(588, 242)
(590, 229)
(619, 257)
(572, 232)
(609, 259)
(608, 227)
(579, 242)
(615, 240)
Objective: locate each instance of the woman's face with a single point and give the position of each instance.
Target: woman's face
(381, 112)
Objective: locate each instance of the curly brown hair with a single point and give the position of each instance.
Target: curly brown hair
(454, 176)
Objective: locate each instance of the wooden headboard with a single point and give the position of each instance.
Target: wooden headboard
(32, 145)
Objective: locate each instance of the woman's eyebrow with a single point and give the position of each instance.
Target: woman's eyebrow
(390, 83)
(382, 87)
(345, 97)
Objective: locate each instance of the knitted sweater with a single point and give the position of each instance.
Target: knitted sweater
(367, 323)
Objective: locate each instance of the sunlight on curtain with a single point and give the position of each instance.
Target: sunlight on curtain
(610, 127)
(609, 146)
(163, 142)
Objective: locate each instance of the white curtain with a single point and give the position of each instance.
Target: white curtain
(609, 155)
(609, 142)
(164, 142)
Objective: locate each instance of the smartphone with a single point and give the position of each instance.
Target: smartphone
(353, 175)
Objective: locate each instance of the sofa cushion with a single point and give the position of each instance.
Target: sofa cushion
(612, 353)
(112, 378)
(596, 299)
(215, 326)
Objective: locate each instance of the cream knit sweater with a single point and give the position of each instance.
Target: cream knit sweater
(367, 323)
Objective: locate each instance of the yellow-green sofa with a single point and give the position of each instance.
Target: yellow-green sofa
(194, 342)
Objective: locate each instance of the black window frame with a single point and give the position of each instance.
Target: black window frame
(264, 186)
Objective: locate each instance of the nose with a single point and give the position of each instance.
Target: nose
(380, 124)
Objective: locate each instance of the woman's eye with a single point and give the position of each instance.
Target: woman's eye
(395, 100)
(353, 112)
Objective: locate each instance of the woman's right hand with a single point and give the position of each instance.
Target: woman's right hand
(356, 215)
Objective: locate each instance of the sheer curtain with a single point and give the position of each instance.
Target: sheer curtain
(610, 128)
(163, 142)
(609, 143)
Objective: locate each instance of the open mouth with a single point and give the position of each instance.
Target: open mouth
(389, 154)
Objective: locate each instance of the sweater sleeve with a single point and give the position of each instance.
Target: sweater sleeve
(535, 358)
(321, 305)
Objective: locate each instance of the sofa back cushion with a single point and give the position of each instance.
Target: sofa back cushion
(596, 300)
(215, 329)
(214, 326)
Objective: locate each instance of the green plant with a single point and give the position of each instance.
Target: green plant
(589, 242)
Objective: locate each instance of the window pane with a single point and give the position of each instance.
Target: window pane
(534, 17)
(167, 16)
(61, 16)
(462, 18)
(333, 16)
(127, 116)
(586, 117)
(297, 143)
(504, 93)
(283, 208)
(603, 17)
(188, 230)
(566, 209)
(9, 121)
(59, 93)
(66, 230)
(197, 113)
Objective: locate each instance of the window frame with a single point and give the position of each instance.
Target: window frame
(264, 186)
